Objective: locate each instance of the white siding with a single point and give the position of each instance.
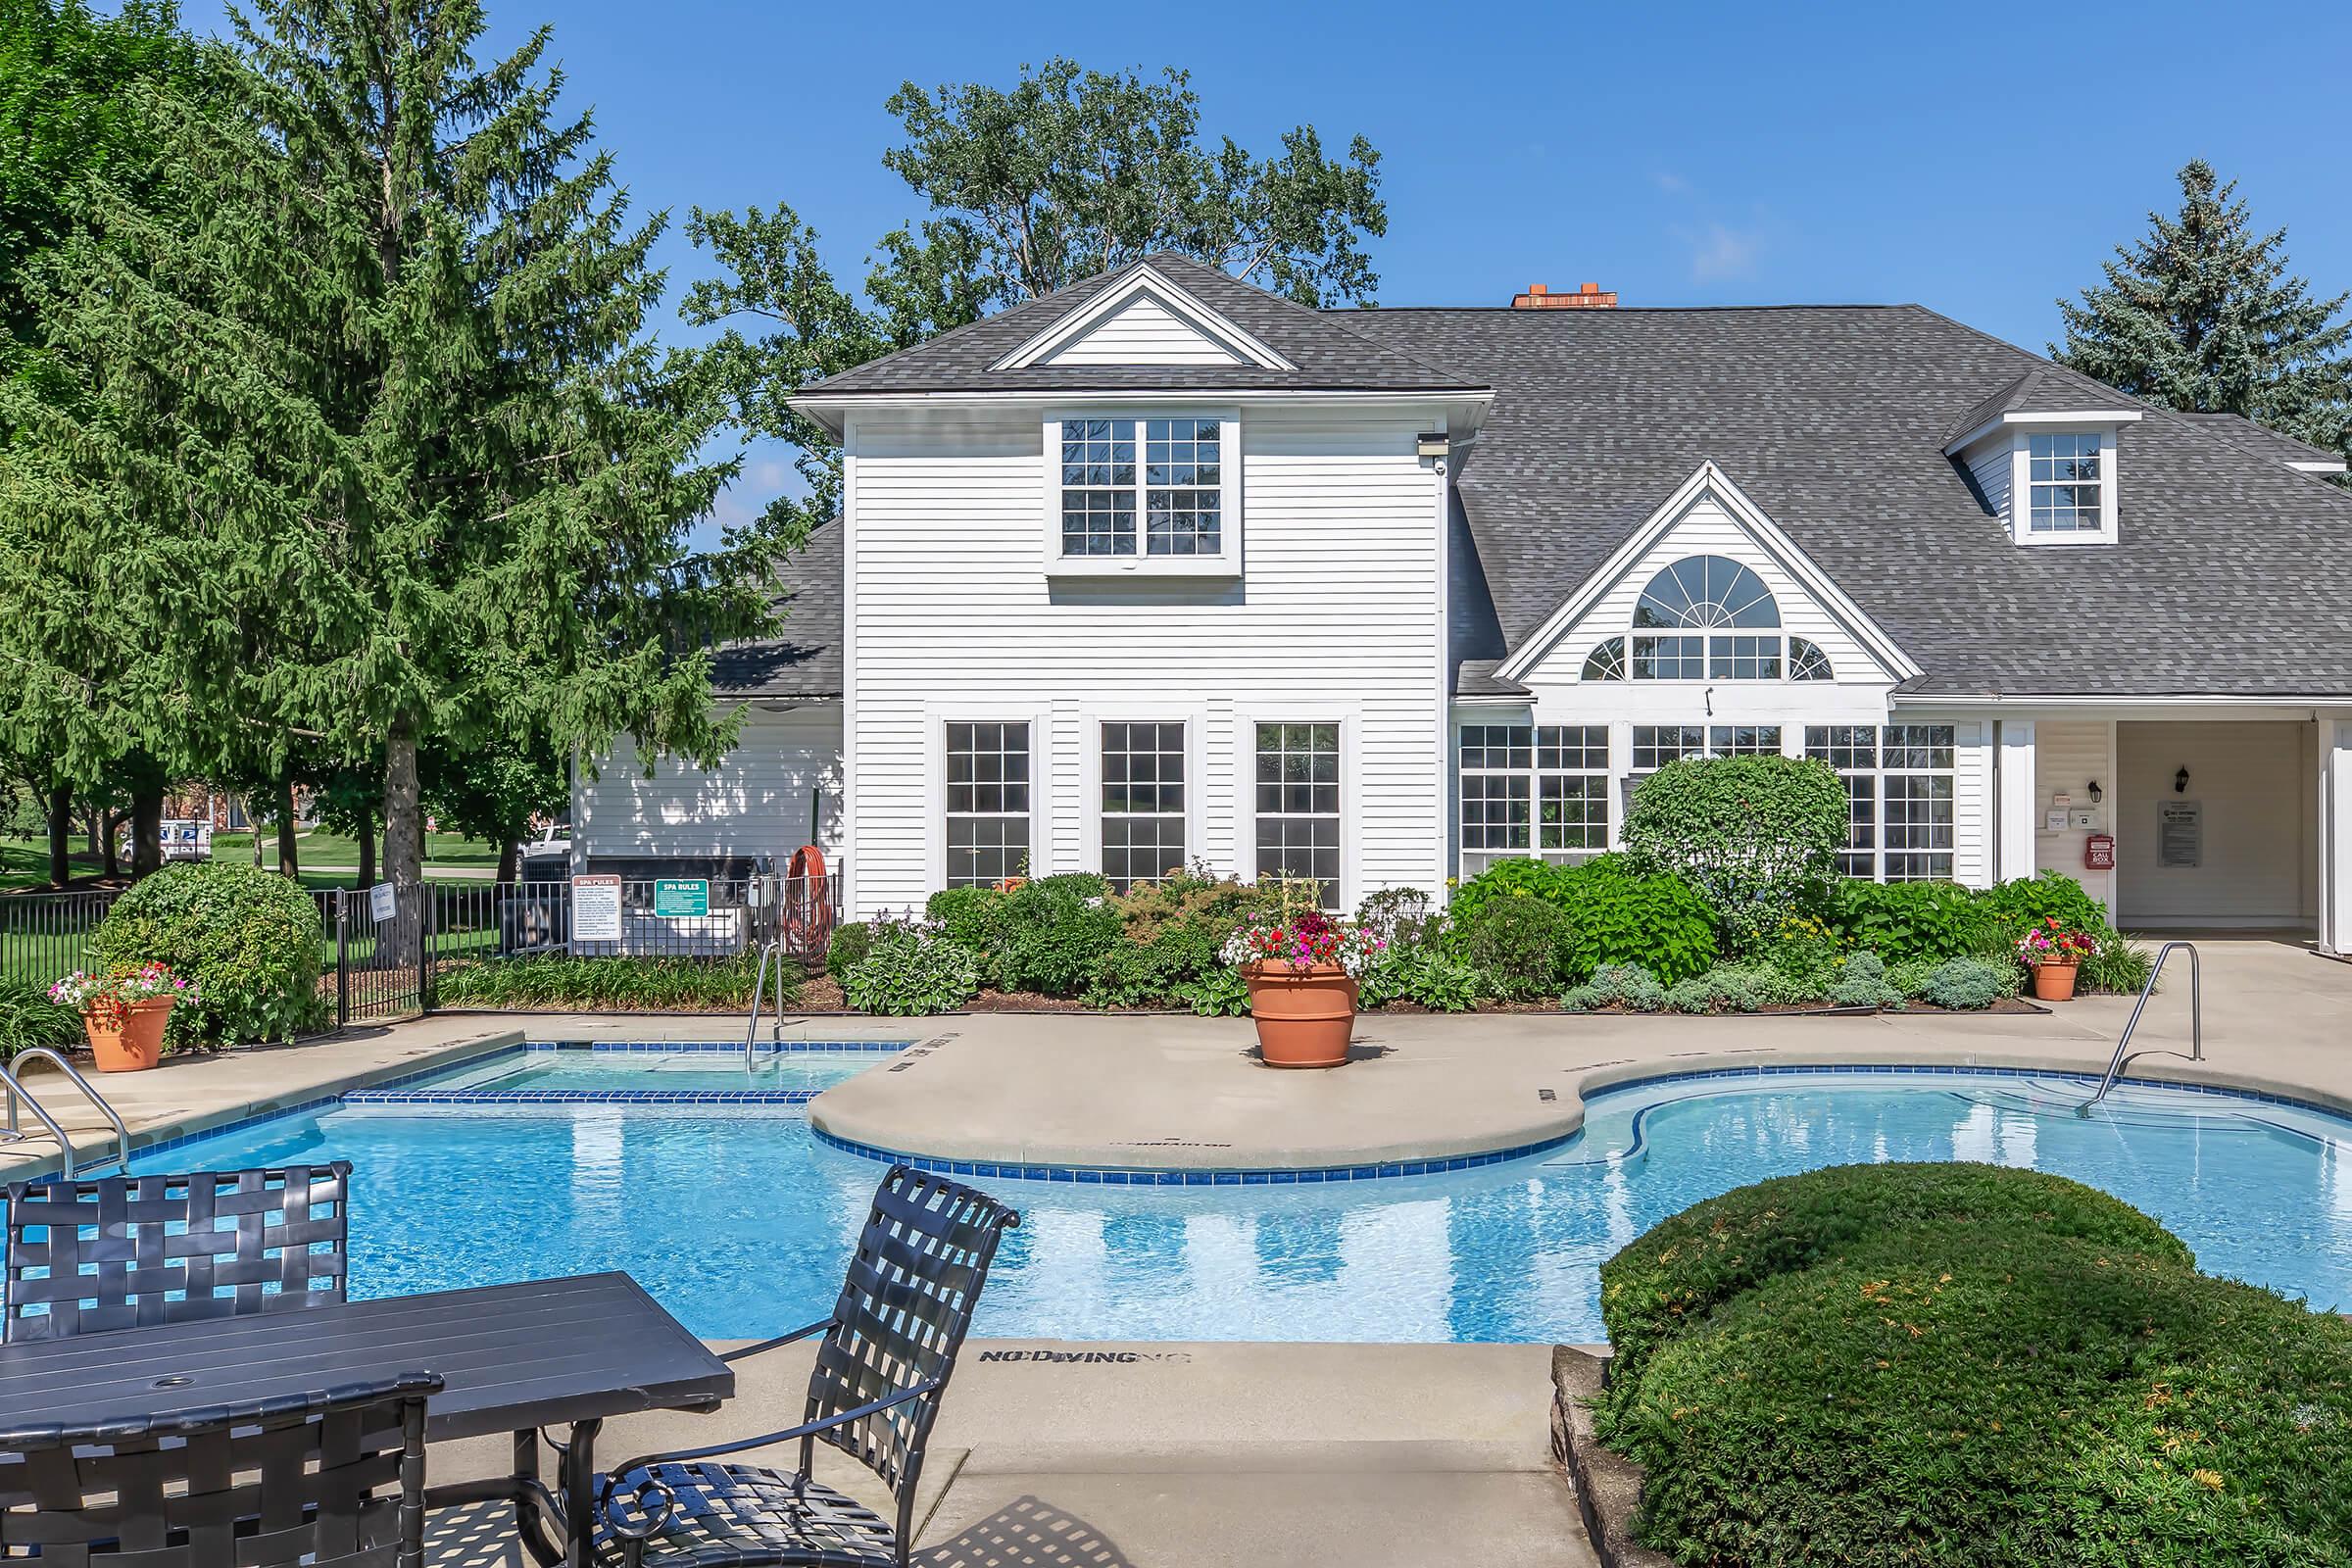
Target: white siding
(1991, 465)
(756, 802)
(2068, 754)
(2255, 783)
(1972, 798)
(1143, 332)
(953, 617)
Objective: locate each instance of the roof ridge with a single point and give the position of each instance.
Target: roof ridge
(1322, 314)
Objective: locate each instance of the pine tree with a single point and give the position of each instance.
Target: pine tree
(2202, 315)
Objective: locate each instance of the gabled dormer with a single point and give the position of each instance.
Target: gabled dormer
(2042, 452)
(1143, 319)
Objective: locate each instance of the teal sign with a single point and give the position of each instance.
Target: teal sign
(681, 896)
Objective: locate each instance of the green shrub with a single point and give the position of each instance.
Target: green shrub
(973, 919)
(1514, 878)
(599, 985)
(2015, 906)
(1071, 885)
(1401, 917)
(1617, 985)
(2001, 1368)
(28, 1019)
(2118, 963)
(1155, 973)
(1057, 935)
(1660, 923)
(1863, 984)
(1904, 921)
(1725, 988)
(1673, 1275)
(1426, 975)
(847, 949)
(1967, 985)
(911, 969)
(1519, 944)
(1808, 952)
(250, 941)
(1758, 836)
(1221, 993)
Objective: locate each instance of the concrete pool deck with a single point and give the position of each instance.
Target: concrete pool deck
(1178, 1092)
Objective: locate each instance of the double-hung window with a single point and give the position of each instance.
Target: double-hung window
(1143, 801)
(1148, 493)
(2064, 482)
(1533, 790)
(1298, 805)
(1900, 797)
(988, 792)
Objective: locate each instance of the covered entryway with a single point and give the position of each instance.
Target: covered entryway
(2216, 824)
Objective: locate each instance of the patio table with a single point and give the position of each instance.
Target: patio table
(512, 1358)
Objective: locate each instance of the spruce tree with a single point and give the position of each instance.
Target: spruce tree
(2202, 315)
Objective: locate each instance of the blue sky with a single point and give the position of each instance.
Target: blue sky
(1979, 159)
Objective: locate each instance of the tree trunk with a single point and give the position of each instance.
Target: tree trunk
(108, 825)
(289, 858)
(404, 834)
(510, 860)
(366, 876)
(147, 829)
(60, 835)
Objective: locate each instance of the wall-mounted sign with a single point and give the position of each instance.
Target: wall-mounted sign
(2180, 833)
(2055, 821)
(2083, 816)
(2098, 853)
(383, 903)
(678, 895)
(595, 909)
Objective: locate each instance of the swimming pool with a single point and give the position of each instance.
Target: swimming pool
(740, 1220)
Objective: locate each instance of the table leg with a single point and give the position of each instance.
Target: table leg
(579, 1492)
(529, 1524)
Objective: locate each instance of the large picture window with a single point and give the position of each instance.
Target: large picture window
(1706, 617)
(1900, 797)
(1533, 790)
(1143, 801)
(988, 792)
(1176, 488)
(1298, 805)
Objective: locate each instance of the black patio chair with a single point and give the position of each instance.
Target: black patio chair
(329, 1480)
(124, 1252)
(884, 1362)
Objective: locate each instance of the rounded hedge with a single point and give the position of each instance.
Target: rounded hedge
(1967, 1366)
(1758, 835)
(249, 939)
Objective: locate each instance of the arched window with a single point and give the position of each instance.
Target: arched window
(1706, 592)
(1706, 617)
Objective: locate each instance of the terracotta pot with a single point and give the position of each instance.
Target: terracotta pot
(2054, 982)
(134, 1039)
(1304, 1016)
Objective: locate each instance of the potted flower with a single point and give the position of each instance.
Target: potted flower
(123, 1011)
(1301, 972)
(2054, 955)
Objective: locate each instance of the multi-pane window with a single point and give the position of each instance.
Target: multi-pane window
(1899, 800)
(987, 803)
(1541, 790)
(1143, 801)
(1743, 658)
(1706, 617)
(1670, 659)
(1656, 745)
(2064, 482)
(1298, 804)
(1177, 488)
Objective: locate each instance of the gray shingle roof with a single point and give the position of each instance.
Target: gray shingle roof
(2042, 389)
(805, 661)
(1329, 355)
(2262, 440)
(2232, 574)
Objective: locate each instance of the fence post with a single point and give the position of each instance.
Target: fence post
(342, 962)
(424, 947)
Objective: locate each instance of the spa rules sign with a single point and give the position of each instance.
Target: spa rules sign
(595, 909)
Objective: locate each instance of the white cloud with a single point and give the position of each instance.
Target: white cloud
(1719, 251)
(1671, 183)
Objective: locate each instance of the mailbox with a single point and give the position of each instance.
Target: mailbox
(2098, 853)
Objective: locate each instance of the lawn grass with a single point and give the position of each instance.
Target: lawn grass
(319, 847)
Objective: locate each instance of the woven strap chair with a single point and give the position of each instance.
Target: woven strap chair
(124, 1252)
(888, 1349)
(327, 1480)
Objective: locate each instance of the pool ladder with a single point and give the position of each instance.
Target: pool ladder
(771, 952)
(13, 1085)
(2196, 1021)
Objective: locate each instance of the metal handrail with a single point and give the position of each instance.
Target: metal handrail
(772, 950)
(2196, 1019)
(15, 1088)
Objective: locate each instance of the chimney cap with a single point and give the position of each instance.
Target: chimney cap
(1585, 296)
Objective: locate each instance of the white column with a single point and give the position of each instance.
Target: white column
(2336, 836)
(2014, 801)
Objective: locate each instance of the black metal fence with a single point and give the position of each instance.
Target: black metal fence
(379, 959)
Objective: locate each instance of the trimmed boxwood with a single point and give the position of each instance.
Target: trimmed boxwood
(1971, 1366)
(249, 939)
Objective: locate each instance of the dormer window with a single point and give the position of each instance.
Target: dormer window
(2066, 483)
(1145, 493)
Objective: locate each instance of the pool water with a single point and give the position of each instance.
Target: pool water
(741, 1221)
(696, 1069)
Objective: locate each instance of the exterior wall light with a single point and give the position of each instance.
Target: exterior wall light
(2096, 794)
(2181, 782)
